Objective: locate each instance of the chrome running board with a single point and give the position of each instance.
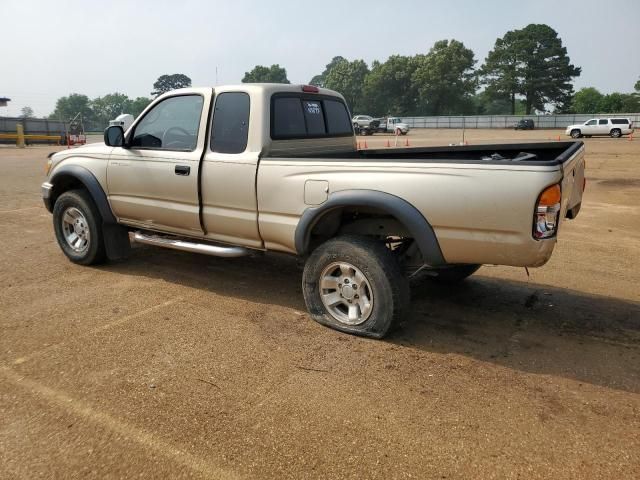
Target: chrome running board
(175, 244)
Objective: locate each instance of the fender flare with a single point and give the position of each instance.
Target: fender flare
(420, 229)
(92, 185)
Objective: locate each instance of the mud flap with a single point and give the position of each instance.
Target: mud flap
(116, 241)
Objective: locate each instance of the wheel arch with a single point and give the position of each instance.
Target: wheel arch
(409, 216)
(69, 177)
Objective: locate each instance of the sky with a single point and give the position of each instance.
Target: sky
(54, 48)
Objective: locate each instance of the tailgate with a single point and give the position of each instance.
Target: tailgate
(573, 183)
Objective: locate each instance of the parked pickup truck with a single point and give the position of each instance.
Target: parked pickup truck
(228, 171)
(393, 125)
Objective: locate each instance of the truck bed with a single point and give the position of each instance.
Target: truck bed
(538, 154)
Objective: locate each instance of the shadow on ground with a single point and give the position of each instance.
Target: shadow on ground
(524, 326)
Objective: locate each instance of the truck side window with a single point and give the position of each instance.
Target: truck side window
(338, 121)
(171, 125)
(230, 123)
(603, 122)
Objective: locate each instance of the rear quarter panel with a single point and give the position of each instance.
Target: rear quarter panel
(480, 213)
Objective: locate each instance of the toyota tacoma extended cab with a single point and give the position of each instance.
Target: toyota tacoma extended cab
(227, 171)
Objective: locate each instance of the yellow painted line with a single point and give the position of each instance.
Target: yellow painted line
(150, 441)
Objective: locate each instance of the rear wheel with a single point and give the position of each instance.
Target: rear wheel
(616, 133)
(576, 133)
(355, 284)
(78, 228)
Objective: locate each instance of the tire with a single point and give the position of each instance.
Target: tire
(404, 133)
(75, 213)
(380, 300)
(575, 133)
(455, 274)
(615, 133)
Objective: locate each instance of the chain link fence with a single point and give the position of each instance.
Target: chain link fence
(508, 121)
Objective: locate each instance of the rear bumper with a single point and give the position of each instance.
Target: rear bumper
(47, 190)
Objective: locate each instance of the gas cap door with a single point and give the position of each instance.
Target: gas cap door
(316, 192)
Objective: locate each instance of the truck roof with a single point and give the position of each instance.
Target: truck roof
(266, 88)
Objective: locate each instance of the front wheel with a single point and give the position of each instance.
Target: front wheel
(78, 228)
(355, 284)
(576, 133)
(616, 133)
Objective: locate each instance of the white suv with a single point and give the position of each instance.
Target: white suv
(614, 127)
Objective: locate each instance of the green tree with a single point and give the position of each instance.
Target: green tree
(319, 80)
(587, 100)
(636, 87)
(166, 83)
(389, 88)
(260, 74)
(138, 105)
(348, 78)
(26, 112)
(619, 103)
(532, 63)
(109, 107)
(445, 79)
(68, 107)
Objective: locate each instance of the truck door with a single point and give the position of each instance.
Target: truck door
(228, 177)
(153, 180)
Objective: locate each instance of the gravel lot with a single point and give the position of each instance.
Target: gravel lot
(174, 364)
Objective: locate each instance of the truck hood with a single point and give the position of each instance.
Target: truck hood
(89, 150)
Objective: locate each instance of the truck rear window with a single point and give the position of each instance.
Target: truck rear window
(620, 121)
(295, 116)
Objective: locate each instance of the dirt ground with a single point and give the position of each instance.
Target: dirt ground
(179, 365)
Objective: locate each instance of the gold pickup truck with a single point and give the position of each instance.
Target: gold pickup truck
(229, 170)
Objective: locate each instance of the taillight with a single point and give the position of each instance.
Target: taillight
(310, 89)
(545, 218)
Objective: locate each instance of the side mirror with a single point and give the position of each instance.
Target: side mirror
(114, 136)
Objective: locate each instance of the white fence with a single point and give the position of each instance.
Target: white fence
(508, 121)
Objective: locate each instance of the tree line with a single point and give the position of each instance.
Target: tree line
(527, 71)
(96, 113)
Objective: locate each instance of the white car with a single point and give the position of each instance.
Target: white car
(362, 120)
(614, 127)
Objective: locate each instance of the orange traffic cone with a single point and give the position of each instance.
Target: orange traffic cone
(358, 145)
(558, 137)
(365, 144)
(388, 144)
(630, 138)
(406, 143)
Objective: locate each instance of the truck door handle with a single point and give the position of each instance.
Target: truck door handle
(182, 170)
